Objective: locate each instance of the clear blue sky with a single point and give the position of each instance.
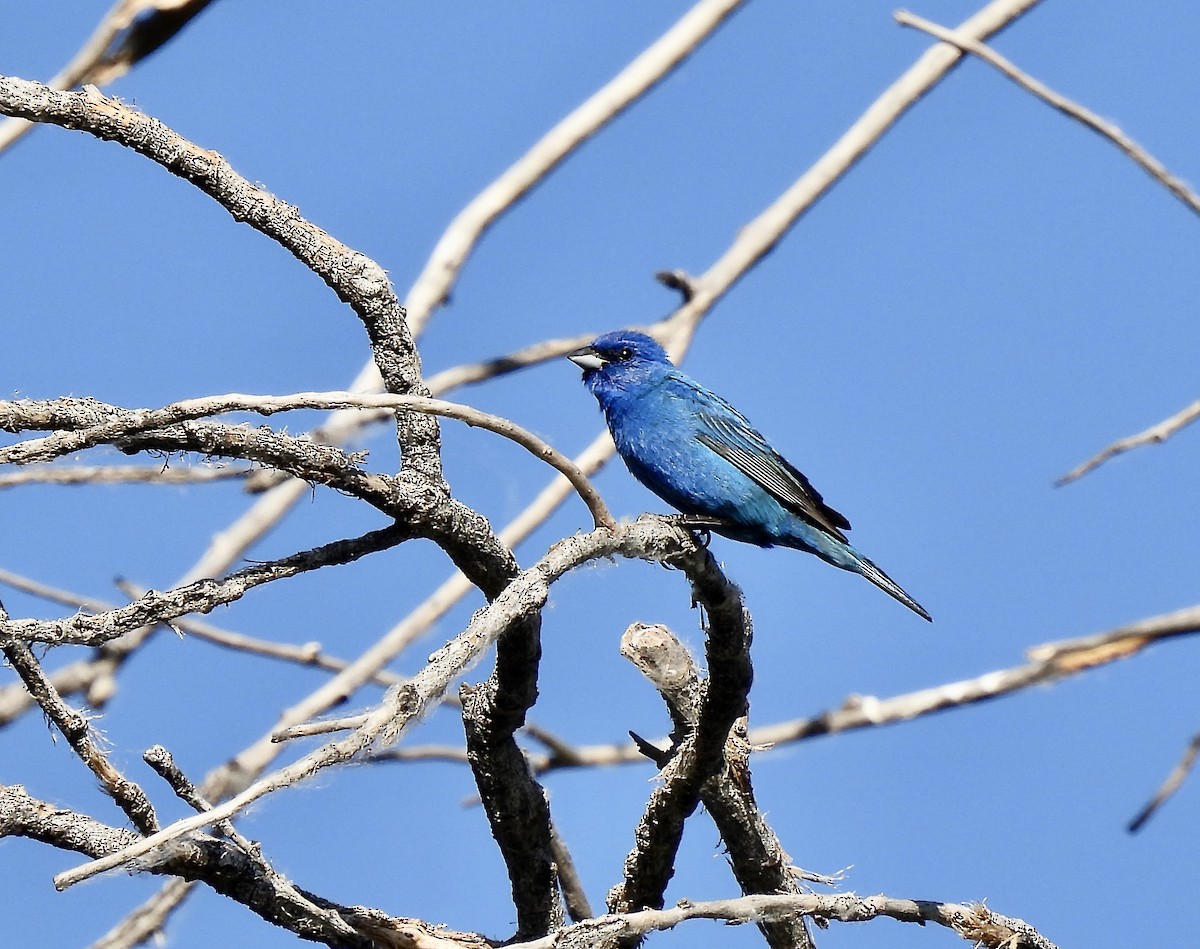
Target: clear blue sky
(990, 297)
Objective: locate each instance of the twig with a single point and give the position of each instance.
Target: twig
(1169, 786)
(1086, 652)
(472, 373)
(198, 597)
(1154, 435)
(103, 58)
(160, 759)
(309, 654)
(1147, 162)
(121, 474)
(975, 923)
(574, 895)
(74, 727)
(308, 460)
(163, 764)
(129, 423)
(145, 923)
(95, 676)
(225, 867)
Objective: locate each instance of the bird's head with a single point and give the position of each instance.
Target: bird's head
(619, 362)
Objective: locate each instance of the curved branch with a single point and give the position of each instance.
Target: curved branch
(354, 277)
(130, 422)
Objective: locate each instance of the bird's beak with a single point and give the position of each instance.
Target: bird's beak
(587, 359)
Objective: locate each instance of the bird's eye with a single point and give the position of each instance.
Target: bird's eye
(625, 353)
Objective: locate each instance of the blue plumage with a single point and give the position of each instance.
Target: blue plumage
(701, 455)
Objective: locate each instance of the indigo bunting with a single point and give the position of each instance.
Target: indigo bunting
(701, 455)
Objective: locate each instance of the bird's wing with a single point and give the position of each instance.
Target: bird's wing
(730, 435)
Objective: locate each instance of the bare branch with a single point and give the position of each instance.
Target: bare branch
(1147, 162)
(128, 33)
(200, 596)
(975, 923)
(1051, 662)
(356, 279)
(1154, 435)
(127, 423)
(473, 373)
(308, 654)
(222, 865)
(146, 922)
(1169, 787)
(759, 861)
(88, 675)
(121, 474)
(1087, 652)
(725, 698)
(574, 895)
(650, 67)
(74, 727)
(650, 538)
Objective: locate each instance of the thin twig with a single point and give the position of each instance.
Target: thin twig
(75, 728)
(121, 474)
(1154, 435)
(198, 597)
(574, 895)
(132, 422)
(1169, 786)
(309, 654)
(102, 59)
(1147, 162)
(225, 867)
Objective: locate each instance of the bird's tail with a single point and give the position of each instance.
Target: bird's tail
(890, 587)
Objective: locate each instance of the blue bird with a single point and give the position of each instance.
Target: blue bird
(702, 456)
